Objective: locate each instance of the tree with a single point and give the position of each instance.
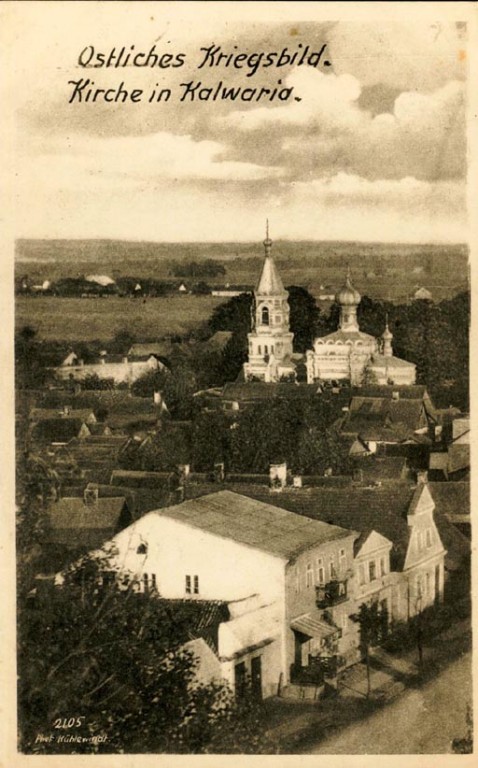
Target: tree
(304, 317)
(114, 660)
(371, 624)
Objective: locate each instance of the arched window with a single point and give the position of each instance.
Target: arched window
(142, 549)
(265, 316)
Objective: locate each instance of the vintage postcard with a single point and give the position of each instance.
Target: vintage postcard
(236, 279)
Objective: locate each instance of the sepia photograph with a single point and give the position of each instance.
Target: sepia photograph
(241, 270)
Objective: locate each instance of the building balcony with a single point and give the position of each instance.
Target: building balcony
(330, 594)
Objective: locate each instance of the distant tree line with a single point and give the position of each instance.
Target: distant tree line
(196, 269)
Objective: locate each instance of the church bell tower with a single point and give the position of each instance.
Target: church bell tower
(270, 340)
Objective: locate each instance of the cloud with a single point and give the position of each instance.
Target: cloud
(423, 134)
(81, 162)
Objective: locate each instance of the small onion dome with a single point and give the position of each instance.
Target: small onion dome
(387, 334)
(348, 295)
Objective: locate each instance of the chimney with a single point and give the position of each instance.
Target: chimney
(277, 476)
(396, 395)
(66, 410)
(90, 496)
(297, 481)
(125, 359)
(422, 477)
(183, 471)
(219, 473)
(157, 398)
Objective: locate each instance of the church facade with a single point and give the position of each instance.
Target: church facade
(348, 354)
(270, 349)
(351, 354)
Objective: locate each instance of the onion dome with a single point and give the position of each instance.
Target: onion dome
(348, 295)
(387, 335)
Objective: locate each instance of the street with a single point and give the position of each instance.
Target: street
(422, 721)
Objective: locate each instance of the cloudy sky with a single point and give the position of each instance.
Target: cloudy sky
(374, 150)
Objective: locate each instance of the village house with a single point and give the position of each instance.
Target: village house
(298, 579)
(392, 420)
(119, 368)
(186, 551)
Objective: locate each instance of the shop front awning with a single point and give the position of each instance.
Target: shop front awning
(312, 625)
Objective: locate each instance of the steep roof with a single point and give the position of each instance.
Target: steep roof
(73, 513)
(146, 349)
(270, 283)
(382, 418)
(451, 499)
(41, 414)
(382, 508)
(74, 524)
(58, 430)
(256, 524)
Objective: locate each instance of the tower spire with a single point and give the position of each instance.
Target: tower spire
(267, 242)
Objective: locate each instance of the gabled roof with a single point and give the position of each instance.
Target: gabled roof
(451, 499)
(381, 418)
(58, 430)
(270, 283)
(383, 509)
(41, 414)
(218, 340)
(73, 513)
(254, 523)
(146, 349)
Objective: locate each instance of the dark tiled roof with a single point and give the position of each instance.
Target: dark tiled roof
(73, 513)
(383, 509)
(451, 498)
(387, 468)
(377, 418)
(202, 618)
(254, 523)
(59, 430)
(258, 390)
(407, 392)
(218, 340)
(42, 414)
(146, 349)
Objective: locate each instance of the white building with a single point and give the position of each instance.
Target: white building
(270, 340)
(253, 556)
(353, 355)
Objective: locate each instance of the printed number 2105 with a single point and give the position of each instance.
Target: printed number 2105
(70, 722)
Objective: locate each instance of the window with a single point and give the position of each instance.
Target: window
(383, 566)
(196, 585)
(277, 319)
(342, 559)
(297, 580)
(320, 571)
(427, 584)
(429, 537)
(333, 573)
(259, 349)
(309, 576)
(188, 585)
(265, 316)
(420, 540)
(142, 549)
(145, 580)
(361, 574)
(372, 570)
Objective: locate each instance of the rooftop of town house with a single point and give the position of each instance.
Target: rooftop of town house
(383, 508)
(58, 430)
(254, 523)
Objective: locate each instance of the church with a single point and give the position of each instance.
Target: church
(348, 354)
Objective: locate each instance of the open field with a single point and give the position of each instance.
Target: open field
(70, 319)
(380, 270)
